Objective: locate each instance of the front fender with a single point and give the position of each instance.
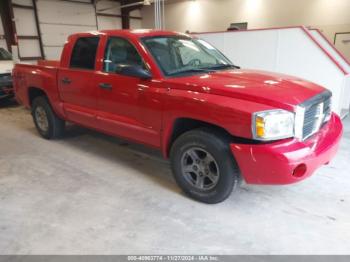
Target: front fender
(231, 114)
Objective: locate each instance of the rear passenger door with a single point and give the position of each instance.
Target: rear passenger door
(75, 84)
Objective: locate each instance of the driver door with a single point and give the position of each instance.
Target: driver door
(127, 106)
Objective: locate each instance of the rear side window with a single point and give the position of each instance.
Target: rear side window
(84, 53)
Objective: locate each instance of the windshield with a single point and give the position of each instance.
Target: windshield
(177, 55)
(4, 55)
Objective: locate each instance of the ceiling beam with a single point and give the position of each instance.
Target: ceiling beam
(125, 12)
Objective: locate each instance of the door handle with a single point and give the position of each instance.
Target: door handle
(66, 80)
(105, 86)
(142, 87)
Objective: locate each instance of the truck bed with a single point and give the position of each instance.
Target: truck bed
(53, 63)
(26, 76)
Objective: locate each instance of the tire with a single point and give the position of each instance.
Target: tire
(197, 151)
(48, 124)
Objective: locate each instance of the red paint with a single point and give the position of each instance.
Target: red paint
(52, 63)
(146, 110)
(274, 163)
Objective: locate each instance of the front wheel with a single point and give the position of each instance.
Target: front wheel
(203, 165)
(48, 124)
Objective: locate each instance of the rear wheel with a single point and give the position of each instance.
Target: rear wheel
(48, 124)
(203, 165)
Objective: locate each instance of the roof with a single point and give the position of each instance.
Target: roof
(132, 32)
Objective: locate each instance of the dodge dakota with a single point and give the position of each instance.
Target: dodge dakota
(218, 124)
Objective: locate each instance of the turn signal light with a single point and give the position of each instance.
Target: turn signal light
(259, 124)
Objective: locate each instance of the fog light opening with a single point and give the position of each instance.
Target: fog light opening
(299, 171)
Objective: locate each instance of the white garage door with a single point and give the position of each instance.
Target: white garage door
(108, 15)
(58, 19)
(28, 37)
(135, 19)
(2, 36)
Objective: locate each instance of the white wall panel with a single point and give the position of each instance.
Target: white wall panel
(59, 19)
(1, 28)
(25, 22)
(29, 48)
(136, 12)
(108, 7)
(26, 26)
(342, 43)
(330, 48)
(3, 43)
(58, 12)
(56, 34)
(265, 55)
(290, 51)
(23, 2)
(135, 23)
(106, 22)
(85, 1)
(53, 52)
(346, 95)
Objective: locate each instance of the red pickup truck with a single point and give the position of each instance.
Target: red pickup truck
(219, 124)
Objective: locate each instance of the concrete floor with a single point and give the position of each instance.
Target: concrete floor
(93, 194)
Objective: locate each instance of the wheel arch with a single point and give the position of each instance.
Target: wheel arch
(184, 124)
(34, 92)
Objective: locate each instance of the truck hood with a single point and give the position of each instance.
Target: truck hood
(268, 88)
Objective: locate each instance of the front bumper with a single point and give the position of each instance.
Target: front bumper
(6, 87)
(274, 163)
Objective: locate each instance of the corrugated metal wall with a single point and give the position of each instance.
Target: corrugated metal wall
(2, 36)
(57, 19)
(26, 30)
(108, 20)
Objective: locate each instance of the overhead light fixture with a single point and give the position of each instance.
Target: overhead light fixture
(147, 2)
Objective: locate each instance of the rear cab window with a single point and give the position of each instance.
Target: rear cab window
(84, 53)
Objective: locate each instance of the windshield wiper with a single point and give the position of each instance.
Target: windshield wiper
(204, 69)
(222, 66)
(192, 70)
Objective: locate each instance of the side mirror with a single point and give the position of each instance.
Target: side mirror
(133, 70)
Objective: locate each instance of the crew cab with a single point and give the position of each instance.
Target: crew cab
(217, 123)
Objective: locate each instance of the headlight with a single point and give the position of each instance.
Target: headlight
(273, 125)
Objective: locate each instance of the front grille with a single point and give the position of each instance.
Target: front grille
(317, 112)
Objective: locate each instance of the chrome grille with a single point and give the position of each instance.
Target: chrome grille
(317, 111)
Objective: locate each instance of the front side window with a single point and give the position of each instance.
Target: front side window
(178, 55)
(119, 52)
(84, 53)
